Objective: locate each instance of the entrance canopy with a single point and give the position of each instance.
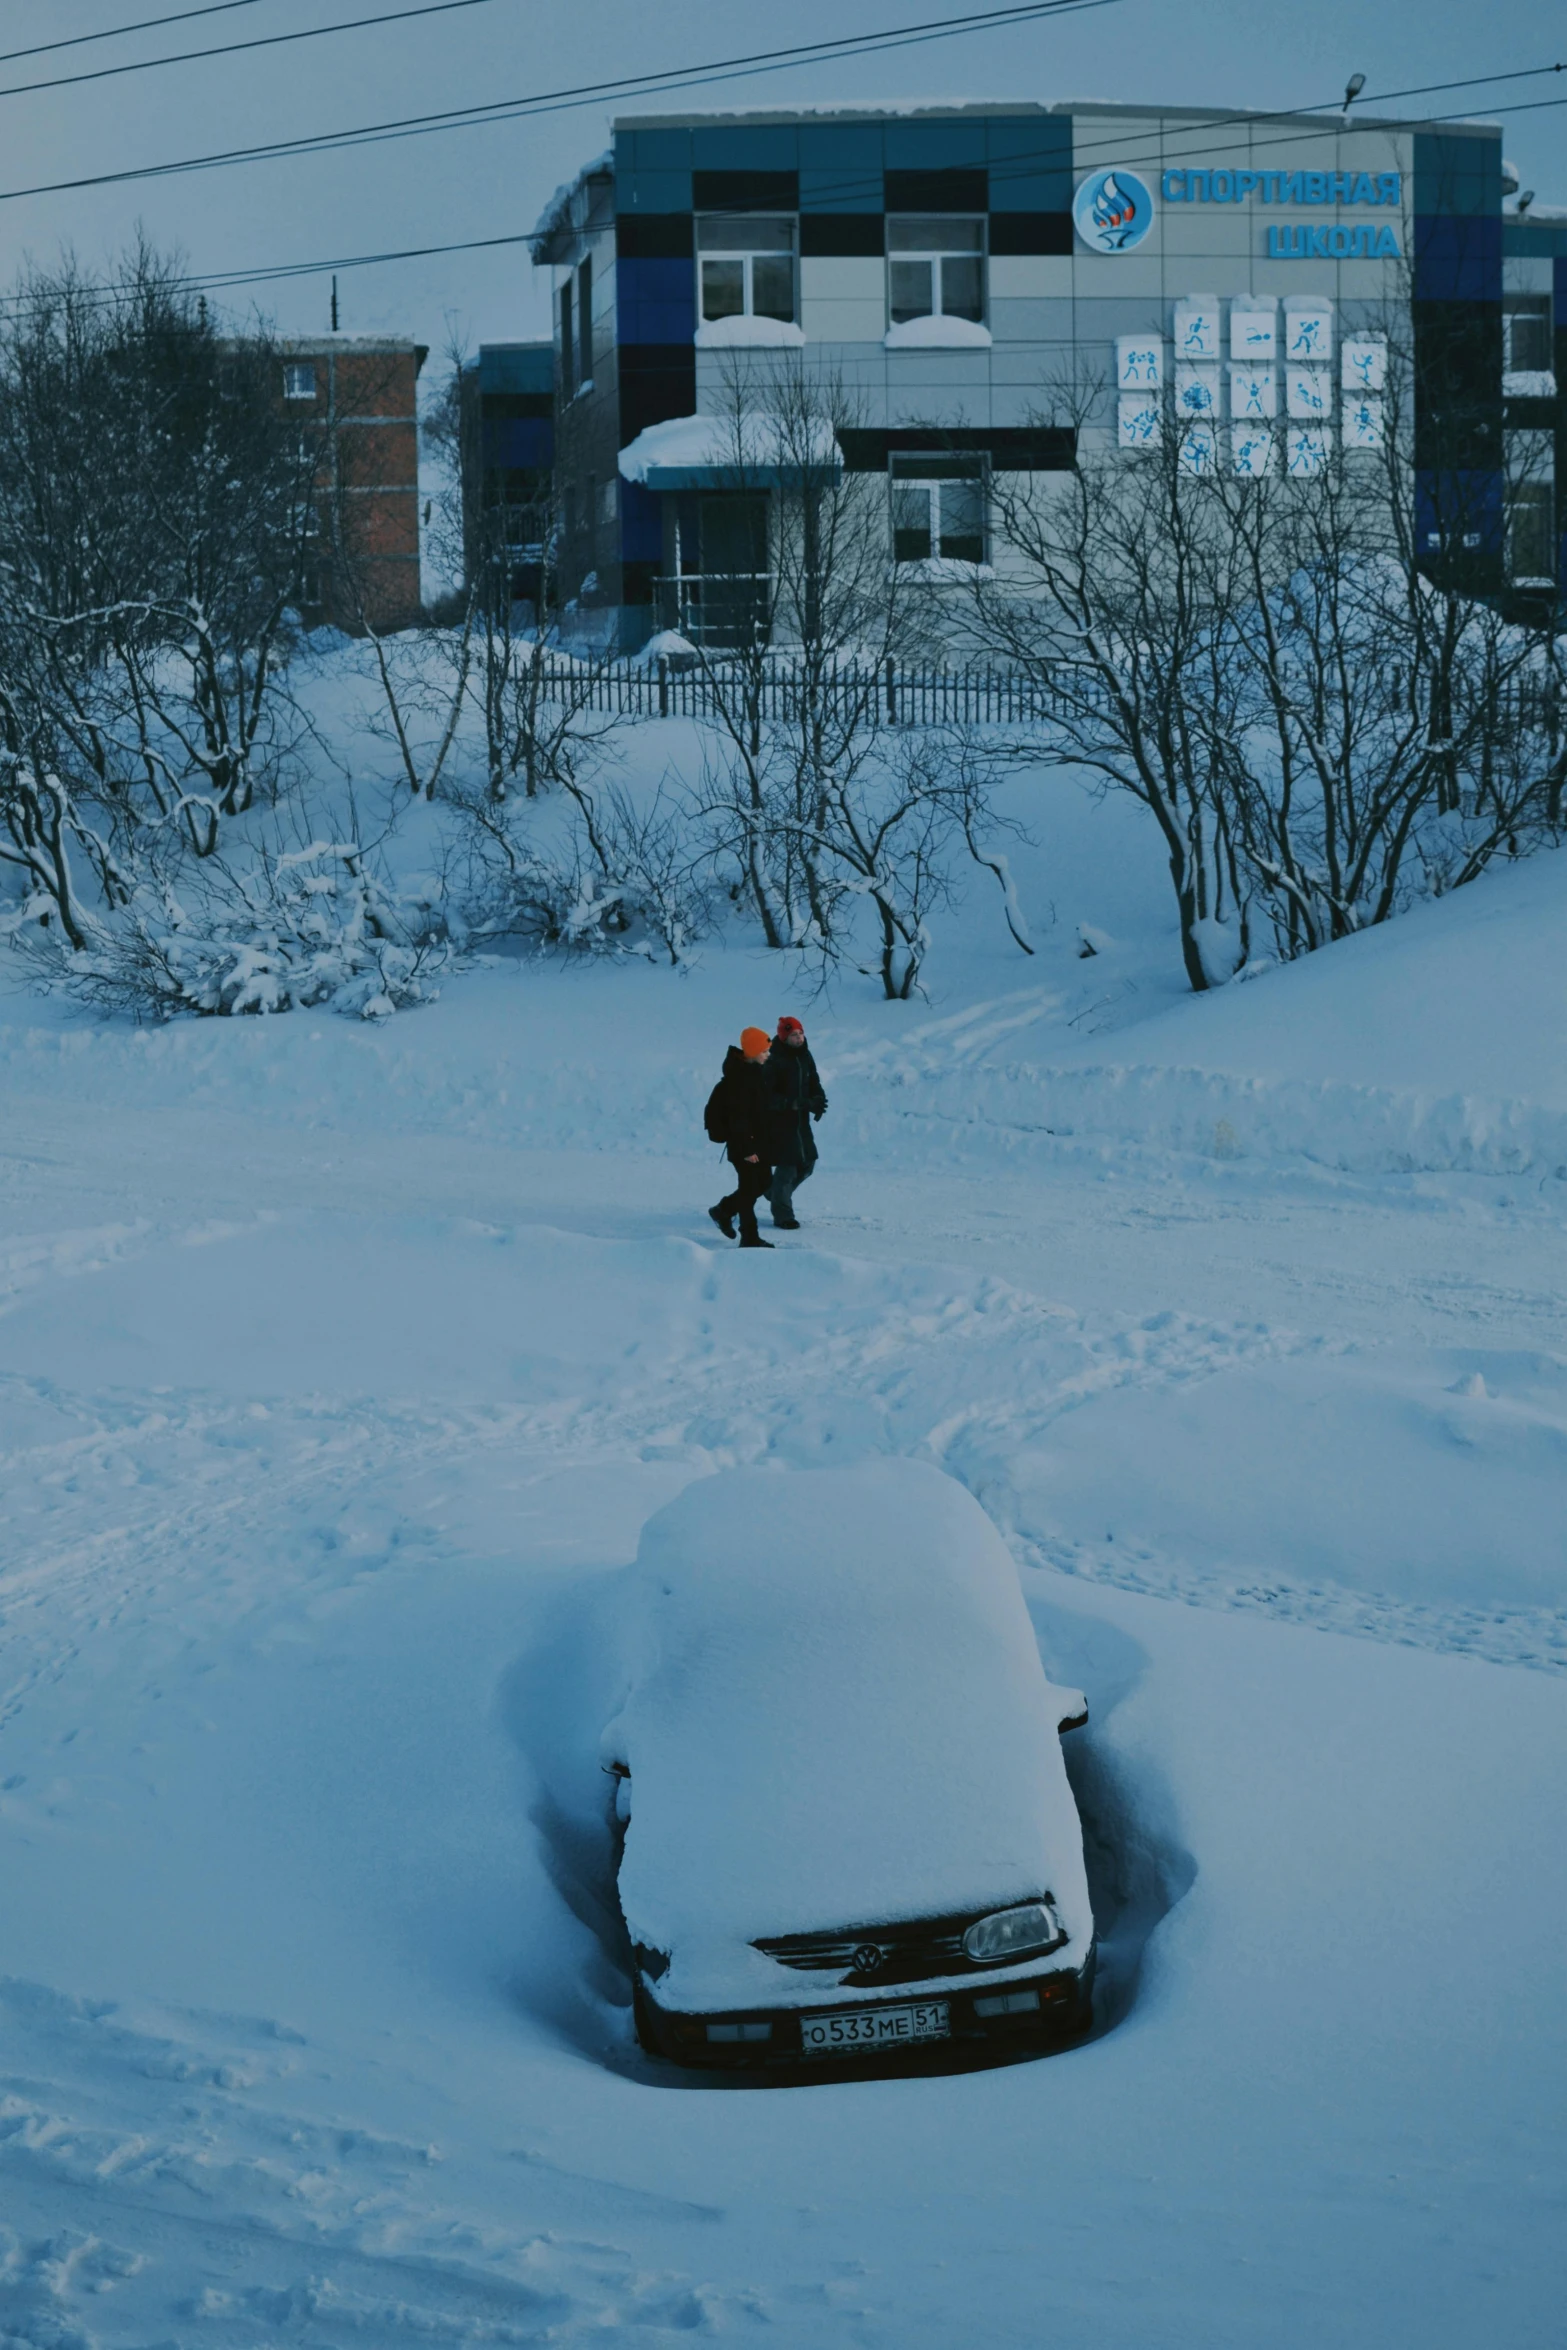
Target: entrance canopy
(751, 451)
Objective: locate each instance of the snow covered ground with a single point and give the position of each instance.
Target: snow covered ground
(339, 1370)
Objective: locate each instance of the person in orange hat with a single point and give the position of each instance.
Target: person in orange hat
(743, 1113)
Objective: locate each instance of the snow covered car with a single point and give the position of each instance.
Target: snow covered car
(847, 1824)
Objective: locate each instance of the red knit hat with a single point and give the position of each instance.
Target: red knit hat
(754, 1042)
(789, 1026)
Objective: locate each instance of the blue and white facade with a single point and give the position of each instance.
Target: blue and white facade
(955, 267)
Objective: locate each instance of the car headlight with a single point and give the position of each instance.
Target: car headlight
(1013, 1933)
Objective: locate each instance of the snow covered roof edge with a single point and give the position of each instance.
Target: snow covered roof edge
(557, 212)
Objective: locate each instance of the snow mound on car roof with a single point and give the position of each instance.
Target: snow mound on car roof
(837, 1717)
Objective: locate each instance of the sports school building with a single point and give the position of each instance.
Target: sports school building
(955, 266)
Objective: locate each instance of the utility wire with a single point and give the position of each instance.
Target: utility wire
(114, 32)
(580, 94)
(352, 24)
(232, 279)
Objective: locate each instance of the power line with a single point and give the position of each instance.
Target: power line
(114, 32)
(580, 94)
(232, 279)
(353, 24)
(1127, 147)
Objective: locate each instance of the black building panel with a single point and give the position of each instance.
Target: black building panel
(654, 236)
(855, 234)
(657, 381)
(1011, 449)
(746, 191)
(938, 191)
(1031, 232)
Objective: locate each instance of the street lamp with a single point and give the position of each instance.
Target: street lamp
(1352, 90)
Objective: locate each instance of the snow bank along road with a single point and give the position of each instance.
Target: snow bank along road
(337, 1375)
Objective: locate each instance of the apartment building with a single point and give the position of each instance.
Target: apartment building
(356, 397)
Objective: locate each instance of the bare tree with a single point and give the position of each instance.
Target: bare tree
(1109, 596)
(1324, 720)
(793, 637)
(153, 511)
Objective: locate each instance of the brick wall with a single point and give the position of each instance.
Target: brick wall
(358, 397)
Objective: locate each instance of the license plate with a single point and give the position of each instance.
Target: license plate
(874, 2027)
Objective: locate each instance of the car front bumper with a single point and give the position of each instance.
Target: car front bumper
(1047, 2007)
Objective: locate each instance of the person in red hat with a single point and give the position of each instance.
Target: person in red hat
(745, 1114)
(801, 1098)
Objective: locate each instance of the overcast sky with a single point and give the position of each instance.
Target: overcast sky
(494, 180)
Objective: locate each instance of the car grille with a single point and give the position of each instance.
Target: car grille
(908, 1953)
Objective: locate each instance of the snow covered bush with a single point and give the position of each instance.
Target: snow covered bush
(598, 873)
(311, 926)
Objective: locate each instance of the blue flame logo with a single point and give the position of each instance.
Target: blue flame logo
(1113, 210)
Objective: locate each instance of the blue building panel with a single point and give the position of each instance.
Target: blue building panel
(655, 301)
(1459, 513)
(1461, 177)
(660, 150)
(746, 147)
(514, 442)
(517, 367)
(934, 146)
(1030, 165)
(641, 524)
(1458, 258)
(840, 167)
(652, 191)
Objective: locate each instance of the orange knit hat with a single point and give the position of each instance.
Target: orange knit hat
(754, 1042)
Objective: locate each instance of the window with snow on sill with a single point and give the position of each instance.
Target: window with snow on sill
(748, 331)
(937, 333)
(745, 277)
(936, 568)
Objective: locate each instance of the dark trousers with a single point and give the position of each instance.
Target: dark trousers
(753, 1182)
(780, 1197)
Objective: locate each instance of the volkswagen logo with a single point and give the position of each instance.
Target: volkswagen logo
(867, 1958)
(1113, 210)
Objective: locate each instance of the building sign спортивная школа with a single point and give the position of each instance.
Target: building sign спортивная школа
(1302, 241)
(1114, 209)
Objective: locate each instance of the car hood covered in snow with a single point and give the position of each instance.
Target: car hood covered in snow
(837, 1717)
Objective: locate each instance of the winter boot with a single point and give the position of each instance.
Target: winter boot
(755, 1240)
(723, 1217)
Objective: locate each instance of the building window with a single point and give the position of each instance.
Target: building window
(1531, 507)
(1530, 554)
(935, 268)
(938, 509)
(299, 380)
(746, 263)
(1526, 325)
(584, 325)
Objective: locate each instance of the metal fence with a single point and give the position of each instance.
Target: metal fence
(895, 693)
(884, 693)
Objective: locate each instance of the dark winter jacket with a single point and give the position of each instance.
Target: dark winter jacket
(800, 1095)
(754, 1119)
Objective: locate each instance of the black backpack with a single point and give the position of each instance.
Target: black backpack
(715, 1117)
